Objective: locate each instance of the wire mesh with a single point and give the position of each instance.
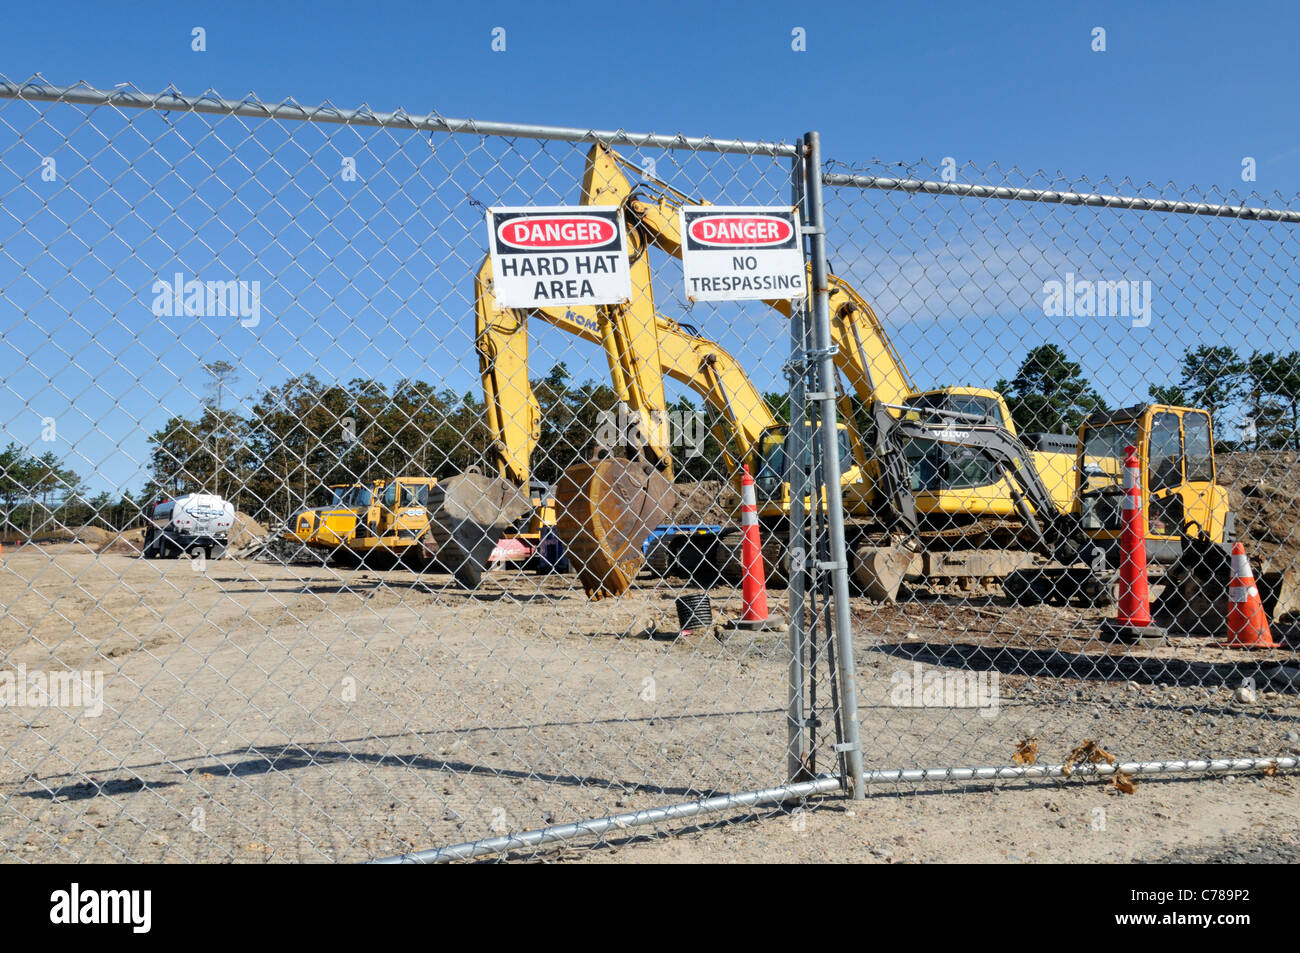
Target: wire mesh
(389, 645)
(257, 417)
(1085, 316)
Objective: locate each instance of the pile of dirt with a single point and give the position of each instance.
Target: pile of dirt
(98, 539)
(705, 501)
(1264, 490)
(93, 536)
(127, 543)
(245, 531)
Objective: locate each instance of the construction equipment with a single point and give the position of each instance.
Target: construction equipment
(376, 523)
(953, 484)
(601, 503)
(945, 490)
(391, 524)
(330, 527)
(196, 524)
(1075, 552)
(386, 522)
(609, 506)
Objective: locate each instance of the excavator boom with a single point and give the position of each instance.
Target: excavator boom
(654, 348)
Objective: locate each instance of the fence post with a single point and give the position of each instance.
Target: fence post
(819, 297)
(797, 546)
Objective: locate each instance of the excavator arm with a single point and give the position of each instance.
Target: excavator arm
(672, 350)
(864, 354)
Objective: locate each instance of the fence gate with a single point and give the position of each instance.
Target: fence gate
(1107, 317)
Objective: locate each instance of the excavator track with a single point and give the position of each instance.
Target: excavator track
(607, 510)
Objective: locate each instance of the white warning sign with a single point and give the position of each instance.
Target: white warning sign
(558, 256)
(740, 254)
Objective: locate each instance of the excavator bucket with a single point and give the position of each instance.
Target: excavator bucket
(607, 510)
(467, 515)
(879, 570)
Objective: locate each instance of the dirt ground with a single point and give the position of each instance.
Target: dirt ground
(1264, 490)
(259, 712)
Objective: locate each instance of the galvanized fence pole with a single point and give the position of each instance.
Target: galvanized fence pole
(797, 371)
(838, 565)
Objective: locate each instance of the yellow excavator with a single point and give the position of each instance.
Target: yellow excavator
(1070, 553)
(617, 502)
(954, 453)
(609, 506)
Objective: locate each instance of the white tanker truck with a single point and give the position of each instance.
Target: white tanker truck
(197, 524)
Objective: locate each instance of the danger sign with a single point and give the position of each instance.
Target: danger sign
(558, 256)
(740, 254)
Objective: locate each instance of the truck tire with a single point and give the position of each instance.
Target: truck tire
(344, 558)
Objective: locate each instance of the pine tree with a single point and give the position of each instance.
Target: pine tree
(1049, 392)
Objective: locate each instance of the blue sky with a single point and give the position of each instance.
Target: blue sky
(376, 278)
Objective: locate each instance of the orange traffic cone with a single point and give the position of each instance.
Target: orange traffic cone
(1247, 622)
(1132, 622)
(754, 576)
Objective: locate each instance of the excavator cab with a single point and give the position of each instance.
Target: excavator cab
(772, 460)
(958, 483)
(1180, 498)
(936, 468)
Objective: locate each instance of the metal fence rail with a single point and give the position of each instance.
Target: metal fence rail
(82, 95)
(1047, 196)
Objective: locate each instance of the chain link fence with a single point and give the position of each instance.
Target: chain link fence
(391, 650)
(280, 311)
(1087, 316)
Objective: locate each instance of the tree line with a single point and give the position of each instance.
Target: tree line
(302, 436)
(1255, 397)
(39, 493)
